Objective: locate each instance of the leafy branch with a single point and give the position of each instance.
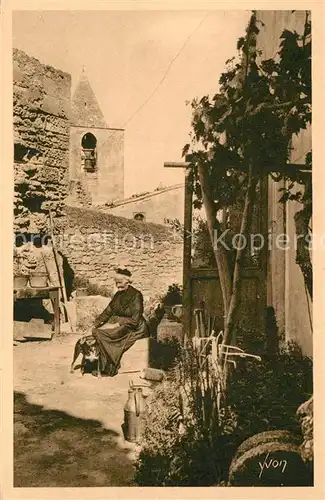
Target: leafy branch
(243, 134)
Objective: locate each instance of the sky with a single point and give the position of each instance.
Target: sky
(143, 66)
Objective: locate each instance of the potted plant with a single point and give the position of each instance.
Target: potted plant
(173, 298)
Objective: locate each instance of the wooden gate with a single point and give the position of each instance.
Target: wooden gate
(201, 285)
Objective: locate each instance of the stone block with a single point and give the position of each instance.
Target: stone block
(137, 357)
(87, 308)
(305, 414)
(273, 463)
(35, 328)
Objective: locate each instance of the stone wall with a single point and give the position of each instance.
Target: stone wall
(41, 109)
(95, 243)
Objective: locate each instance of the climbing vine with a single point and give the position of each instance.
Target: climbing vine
(243, 134)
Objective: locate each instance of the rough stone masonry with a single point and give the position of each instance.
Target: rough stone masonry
(95, 242)
(41, 108)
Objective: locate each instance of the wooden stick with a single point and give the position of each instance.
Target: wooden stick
(61, 281)
(202, 324)
(49, 281)
(197, 331)
(213, 323)
(131, 371)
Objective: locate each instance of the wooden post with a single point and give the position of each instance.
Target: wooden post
(55, 298)
(187, 249)
(187, 258)
(61, 278)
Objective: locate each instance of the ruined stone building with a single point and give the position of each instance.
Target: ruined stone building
(41, 108)
(63, 148)
(66, 152)
(68, 159)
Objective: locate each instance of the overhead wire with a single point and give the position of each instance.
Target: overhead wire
(166, 71)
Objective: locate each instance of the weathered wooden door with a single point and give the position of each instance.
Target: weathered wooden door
(201, 282)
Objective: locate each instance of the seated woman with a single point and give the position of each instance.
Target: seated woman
(118, 327)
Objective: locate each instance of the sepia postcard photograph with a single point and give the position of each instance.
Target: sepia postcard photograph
(162, 252)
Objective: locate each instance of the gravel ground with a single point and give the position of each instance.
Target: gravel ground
(67, 428)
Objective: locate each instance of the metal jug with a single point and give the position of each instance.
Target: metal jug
(133, 414)
(177, 311)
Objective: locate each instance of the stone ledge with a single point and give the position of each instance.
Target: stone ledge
(137, 357)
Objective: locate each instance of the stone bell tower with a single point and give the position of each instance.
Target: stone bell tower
(96, 150)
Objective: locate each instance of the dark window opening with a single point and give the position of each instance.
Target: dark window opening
(34, 204)
(23, 153)
(139, 216)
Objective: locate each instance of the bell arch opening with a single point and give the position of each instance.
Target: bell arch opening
(89, 141)
(89, 152)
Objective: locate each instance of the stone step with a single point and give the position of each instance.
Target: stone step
(35, 328)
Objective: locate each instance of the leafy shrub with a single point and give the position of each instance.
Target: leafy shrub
(150, 304)
(173, 295)
(187, 438)
(261, 396)
(305, 414)
(164, 354)
(161, 436)
(265, 395)
(202, 246)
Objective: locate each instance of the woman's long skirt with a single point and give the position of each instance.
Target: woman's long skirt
(112, 345)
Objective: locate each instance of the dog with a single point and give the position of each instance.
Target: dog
(88, 347)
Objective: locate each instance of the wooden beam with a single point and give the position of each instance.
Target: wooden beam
(271, 168)
(176, 164)
(187, 258)
(289, 166)
(187, 248)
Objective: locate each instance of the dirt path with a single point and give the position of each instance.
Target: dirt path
(68, 427)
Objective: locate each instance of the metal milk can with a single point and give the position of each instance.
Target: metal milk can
(133, 414)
